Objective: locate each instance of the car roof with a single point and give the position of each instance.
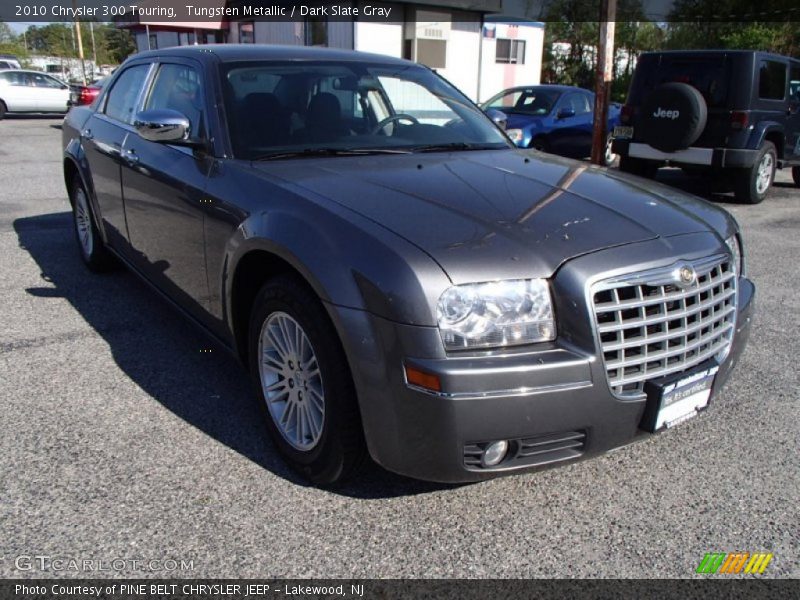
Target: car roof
(244, 52)
(25, 71)
(715, 51)
(545, 86)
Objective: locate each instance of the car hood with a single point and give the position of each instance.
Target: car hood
(521, 121)
(499, 213)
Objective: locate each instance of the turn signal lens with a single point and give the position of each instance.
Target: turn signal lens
(422, 379)
(626, 114)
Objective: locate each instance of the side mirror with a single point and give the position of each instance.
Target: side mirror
(498, 116)
(564, 113)
(162, 125)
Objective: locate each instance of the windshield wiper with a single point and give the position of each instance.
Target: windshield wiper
(456, 146)
(311, 152)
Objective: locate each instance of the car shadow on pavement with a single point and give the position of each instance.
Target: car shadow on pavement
(172, 360)
(717, 191)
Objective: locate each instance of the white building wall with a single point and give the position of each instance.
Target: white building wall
(380, 38)
(495, 76)
(463, 51)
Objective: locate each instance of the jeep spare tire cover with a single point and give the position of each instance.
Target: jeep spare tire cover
(673, 117)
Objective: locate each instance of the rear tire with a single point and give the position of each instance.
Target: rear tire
(93, 251)
(303, 383)
(3, 110)
(796, 175)
(752, 185)
(637, 166)
(608, 153)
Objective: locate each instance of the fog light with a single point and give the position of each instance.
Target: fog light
(495, 453)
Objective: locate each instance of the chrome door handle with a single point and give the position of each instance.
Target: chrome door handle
(87, 134)
(130, 157)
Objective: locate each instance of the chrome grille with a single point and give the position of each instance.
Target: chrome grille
(649, 326)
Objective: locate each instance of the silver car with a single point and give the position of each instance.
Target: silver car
(32, 92)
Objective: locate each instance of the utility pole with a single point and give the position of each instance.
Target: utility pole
(80, 42)
(605, 69)
(94, 48)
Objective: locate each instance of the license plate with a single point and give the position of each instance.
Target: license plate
(623, 132)
(673, 400)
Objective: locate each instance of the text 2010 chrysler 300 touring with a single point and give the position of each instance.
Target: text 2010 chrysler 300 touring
(397, 276)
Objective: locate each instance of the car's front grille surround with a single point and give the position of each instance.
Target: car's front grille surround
(649, 326)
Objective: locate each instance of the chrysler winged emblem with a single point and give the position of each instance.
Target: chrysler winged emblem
(686, 276)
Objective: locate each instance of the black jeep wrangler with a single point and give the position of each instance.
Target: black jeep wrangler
(731, 110)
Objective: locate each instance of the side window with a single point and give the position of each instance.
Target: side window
(794, 84)
(771, 80)
(580, 104)
(43, 81)
(121, 104)
(19, 79)
(177, 87)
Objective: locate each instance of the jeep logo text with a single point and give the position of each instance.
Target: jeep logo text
(666, 114)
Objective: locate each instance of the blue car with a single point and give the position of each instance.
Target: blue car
(553, 118)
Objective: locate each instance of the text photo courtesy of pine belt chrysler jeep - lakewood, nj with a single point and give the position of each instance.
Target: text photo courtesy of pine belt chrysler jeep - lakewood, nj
(400, 280)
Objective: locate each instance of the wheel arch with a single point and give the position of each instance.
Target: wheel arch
(253, 268)
(769, 131)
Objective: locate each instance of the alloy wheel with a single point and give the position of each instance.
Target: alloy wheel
(764, 176)
(83, 223)
(291, 381)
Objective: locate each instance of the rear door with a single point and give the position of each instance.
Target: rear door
(163, 185)
(18, 94)
(103, 137)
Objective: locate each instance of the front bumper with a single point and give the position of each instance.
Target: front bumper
(552, 398)
(712, 157)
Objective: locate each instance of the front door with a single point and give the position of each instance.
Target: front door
(103, 137)
(51, 94)
(163, 185)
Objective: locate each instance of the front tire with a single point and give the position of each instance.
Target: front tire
(752, 185)
(303, 383)
(90, 245)
(540, 144)
(796, 175)
(3, 110)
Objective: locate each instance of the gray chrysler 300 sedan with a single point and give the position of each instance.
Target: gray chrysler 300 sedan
(399, 279)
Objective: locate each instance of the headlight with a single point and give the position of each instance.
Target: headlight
(736, 254)
(496, 314)
(515, 135)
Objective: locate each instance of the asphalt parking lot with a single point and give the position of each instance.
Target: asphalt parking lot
(127, 435)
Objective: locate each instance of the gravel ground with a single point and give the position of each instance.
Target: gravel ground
(121, 439)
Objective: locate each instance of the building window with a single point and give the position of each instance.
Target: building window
(153, 42)
(316, 32)
(432, 53)
(510, 51)
(772, 80)
(247, 33)
(186, 39)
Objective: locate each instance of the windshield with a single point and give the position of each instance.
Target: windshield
(529, 101)
(279, 109)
